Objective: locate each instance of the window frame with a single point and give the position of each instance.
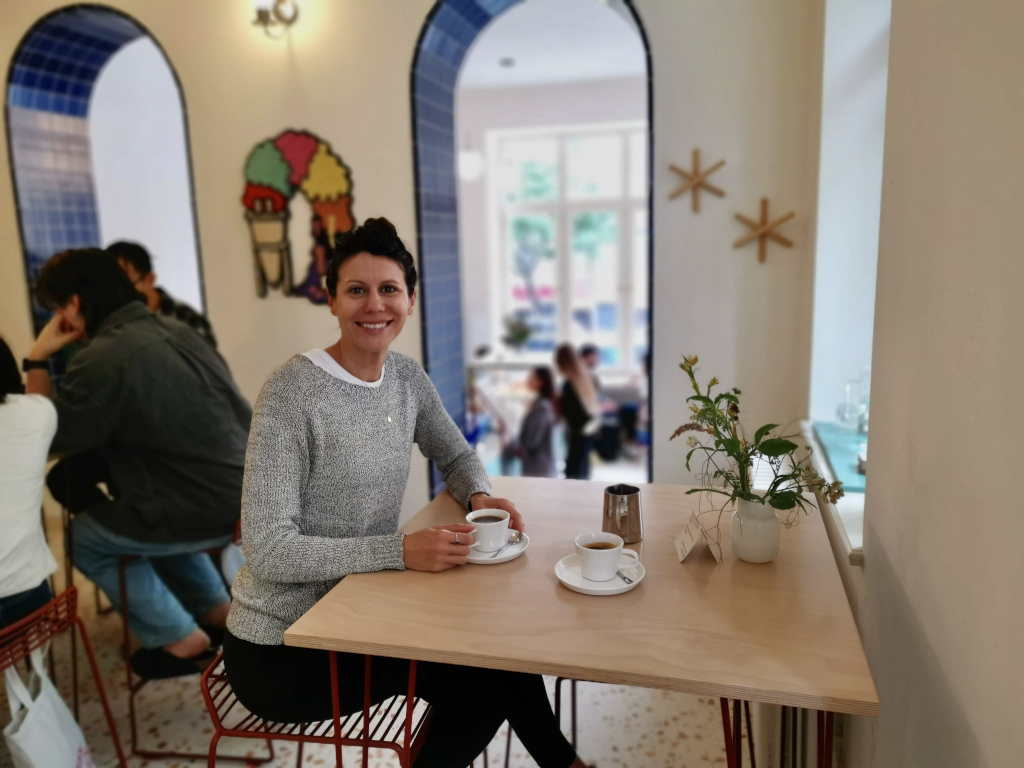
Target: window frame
(625, 207)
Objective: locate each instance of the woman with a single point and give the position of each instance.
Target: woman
(27, 424)
(326, 469)
(579, 409)
(535, 444)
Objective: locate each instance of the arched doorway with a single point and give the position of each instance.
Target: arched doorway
(450, 30)
(65, 78)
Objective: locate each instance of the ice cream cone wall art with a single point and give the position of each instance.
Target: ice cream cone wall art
(295, 162)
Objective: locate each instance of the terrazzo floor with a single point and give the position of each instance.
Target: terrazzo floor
(617, 725)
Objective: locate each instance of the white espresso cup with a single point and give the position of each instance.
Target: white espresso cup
(601, 555)
(491, 528)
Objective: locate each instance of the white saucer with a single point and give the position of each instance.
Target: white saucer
(513, 551)
(568, 572)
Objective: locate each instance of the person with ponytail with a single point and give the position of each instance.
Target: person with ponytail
(580, 410)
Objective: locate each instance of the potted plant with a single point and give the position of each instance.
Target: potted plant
(728, 459)
(517, 333)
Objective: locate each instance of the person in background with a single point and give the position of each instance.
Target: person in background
(580, 411)
(138, 265)
(590, 356)
(152, 414)
(27, 424)
(535, 444)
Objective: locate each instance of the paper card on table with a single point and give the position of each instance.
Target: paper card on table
(688, 537)
(693, 532)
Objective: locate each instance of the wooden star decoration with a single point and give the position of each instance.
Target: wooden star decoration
(763, 231)
(696, 180)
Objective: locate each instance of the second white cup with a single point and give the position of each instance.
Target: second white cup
(491, 528)
(601, 555)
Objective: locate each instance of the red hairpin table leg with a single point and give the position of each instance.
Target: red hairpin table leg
(730, 754)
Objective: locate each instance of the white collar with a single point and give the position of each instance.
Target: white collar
(322, 359)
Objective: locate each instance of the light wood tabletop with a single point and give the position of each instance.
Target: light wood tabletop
(780, 633)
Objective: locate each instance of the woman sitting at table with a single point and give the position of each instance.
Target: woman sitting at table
(325, 473)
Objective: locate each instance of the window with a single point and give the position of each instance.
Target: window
(570, 208)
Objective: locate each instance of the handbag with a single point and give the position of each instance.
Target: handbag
(42, 732)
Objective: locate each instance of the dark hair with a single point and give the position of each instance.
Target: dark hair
(378, 237)
(589, 349)
(101, 285)
(566, 360)
(134, 254)
(547, 383)
(10, 376)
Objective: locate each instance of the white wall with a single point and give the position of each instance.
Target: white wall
(479, 110)
(140, 165)
(849, 196)
(738, 78)
(741, 81)
(938, 601)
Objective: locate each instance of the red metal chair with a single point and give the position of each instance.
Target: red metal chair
(136, 684)
(35, 630)
(398, 723)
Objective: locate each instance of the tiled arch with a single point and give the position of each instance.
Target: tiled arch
(49, 85)
(450, 29)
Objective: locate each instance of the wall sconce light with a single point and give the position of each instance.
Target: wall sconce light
(275, 16)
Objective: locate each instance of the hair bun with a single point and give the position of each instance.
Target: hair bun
(382, 225)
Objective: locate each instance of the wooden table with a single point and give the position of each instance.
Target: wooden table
(780, 633)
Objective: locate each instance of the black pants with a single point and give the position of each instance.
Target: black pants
(293, 685)
(577, 460)
(16, 607)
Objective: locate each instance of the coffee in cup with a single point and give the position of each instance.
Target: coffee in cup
(600, 555)
(491, 528)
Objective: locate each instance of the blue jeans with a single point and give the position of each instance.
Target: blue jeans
(169, 585)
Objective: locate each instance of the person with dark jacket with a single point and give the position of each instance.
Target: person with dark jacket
(138, 265)
(150, 412)
(579, 406)
(535, 444)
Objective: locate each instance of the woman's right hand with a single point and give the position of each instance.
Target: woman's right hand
(435, 550)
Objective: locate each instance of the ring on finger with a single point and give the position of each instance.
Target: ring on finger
(457, 539)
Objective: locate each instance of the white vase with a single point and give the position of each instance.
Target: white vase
(755, 532)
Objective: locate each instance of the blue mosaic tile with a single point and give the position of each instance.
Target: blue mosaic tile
(494, 7)
(452, 29)
(470, 12)
(454, 25)
(51, 80)
(433, 114)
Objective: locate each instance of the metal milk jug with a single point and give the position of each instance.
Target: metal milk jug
(622, 515)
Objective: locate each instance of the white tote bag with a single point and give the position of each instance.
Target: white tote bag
(42, 732)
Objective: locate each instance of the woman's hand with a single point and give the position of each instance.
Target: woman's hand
(435, 550)
(55, 335)
(483, 501)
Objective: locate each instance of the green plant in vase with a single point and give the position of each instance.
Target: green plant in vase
(728, 458)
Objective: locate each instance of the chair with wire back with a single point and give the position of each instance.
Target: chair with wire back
(37, 629)
(398, 723)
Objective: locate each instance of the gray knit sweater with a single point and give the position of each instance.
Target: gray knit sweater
(325, 473)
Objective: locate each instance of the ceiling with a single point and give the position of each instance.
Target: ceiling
(555, 41)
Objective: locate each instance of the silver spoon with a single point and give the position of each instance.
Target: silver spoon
(514, 537)
(624, 577)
